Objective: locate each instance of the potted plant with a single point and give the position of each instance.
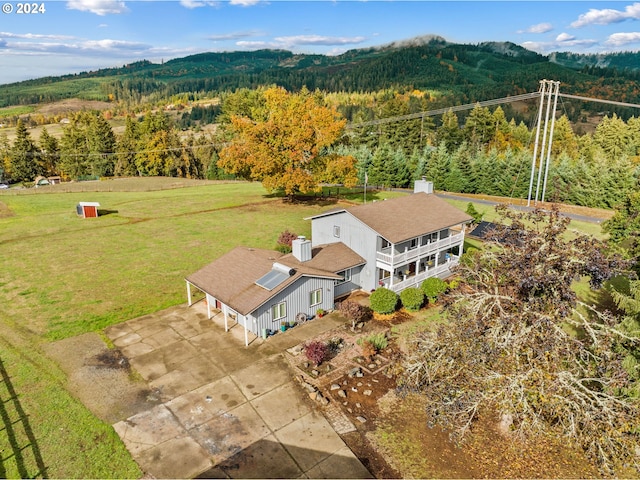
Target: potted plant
(283, 326)
(320, 313)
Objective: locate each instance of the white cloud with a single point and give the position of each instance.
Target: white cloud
(245, 3)
(191, 4)
(607, 16)
(620, 39)
(290, 42)
(538, 28)
(565, 37)
(318, 40)
(99, 7)
(234, 35)
(564, 44)
(34, 36)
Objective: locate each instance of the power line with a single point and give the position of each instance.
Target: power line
(440, 111)
(611, 102)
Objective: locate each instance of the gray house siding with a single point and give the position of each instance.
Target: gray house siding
(297, 300)
(348, 287)
(356, 235)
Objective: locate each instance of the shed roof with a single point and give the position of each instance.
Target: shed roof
(407, 217)
(89, 204)
(231, 278)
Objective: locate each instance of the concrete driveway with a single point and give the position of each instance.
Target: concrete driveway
(225, 410)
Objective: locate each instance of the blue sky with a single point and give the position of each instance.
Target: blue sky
(78, 35)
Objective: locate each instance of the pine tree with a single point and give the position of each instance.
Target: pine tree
(24, 161)
(50, 156)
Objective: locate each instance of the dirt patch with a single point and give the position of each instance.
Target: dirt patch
(5, 211)
(72, 105)
(391, 436)
(101, 378)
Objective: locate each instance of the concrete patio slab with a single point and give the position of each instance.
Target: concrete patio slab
(262, 376)
(136, 349)
(310, 440)
(228, 410)
(148, 429)
(282, 405)
(179, 457)
(127, 339)
(174, 383)
(161, 338)
(266, 458)
(228, 434)
(201, 405)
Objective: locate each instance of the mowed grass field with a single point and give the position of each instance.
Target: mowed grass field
(61, 276)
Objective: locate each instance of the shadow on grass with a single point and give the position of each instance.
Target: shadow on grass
(102, 212)
(17, 430)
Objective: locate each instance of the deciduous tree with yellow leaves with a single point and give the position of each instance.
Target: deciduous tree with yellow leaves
(284, 144)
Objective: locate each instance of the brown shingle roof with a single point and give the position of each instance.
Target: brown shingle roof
(332, 257)
(402, 218)
(231, 278)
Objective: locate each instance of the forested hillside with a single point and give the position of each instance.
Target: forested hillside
(457, 73)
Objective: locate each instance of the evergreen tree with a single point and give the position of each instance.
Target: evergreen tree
(612, 136)
(126, 148)
(449, 133)
(50, 153)
(479, 127)
(24, 163)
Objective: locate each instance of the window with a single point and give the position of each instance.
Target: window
(279, 311)
(336, 231)
(315, 297)
(346, 277)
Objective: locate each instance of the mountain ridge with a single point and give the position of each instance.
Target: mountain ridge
(465, 72)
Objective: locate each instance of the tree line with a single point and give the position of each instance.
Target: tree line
(483, 151)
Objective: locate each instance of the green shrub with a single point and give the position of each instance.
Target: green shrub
(378, 340)
(384, 300)
(433, 287)
(473, 213)
(412, 298)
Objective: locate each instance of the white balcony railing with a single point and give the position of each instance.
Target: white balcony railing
(415, 280)
(391, 258)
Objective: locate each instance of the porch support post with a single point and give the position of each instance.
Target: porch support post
(209, 315)
(189, 303)
(246, 333)
(226, 317)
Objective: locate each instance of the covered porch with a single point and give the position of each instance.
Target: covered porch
(216, 308)
(414, 273)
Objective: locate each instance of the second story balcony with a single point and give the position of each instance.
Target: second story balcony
(394, 255)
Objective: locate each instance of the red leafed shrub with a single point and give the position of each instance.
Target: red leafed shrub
(316, 351)
(286, 238)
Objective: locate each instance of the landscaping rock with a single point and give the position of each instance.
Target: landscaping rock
(295, 351)
(361, 419)
(367, 392)
(335, 386)
(342, 393)
(354, 371)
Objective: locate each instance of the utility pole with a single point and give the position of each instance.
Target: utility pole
(548, 90)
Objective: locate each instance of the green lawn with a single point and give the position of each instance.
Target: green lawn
(62, 276)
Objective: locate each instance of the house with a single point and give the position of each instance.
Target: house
(403, 240)
(394, 243)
